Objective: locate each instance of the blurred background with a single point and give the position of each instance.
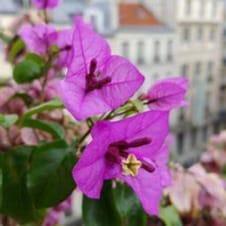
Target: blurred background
(163, 38)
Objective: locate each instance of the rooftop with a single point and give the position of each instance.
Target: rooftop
(136, 14)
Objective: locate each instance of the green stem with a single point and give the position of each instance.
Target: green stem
(46, 16)
(82, 139)
(48, 66)
(109, 115)
(90, 122)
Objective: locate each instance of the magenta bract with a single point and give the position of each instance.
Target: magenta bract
(45, 4)
(38, 38)
(131, 150)
(97, 81)
(64, 43)
(168, 94)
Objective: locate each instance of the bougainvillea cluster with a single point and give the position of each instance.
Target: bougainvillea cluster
(75, 117)
(133, 149)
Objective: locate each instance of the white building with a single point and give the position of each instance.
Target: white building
(198, 25)
(144, 40)
(223, 79)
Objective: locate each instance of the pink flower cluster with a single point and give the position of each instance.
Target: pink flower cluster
(214, 159)
(195, 191)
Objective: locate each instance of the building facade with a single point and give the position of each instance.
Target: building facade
(198, 25)
(146, 41)
(222, 114)
(185, 39)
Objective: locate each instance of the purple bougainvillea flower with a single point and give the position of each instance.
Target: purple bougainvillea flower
(96, 82)
(64, 43)
(168, 94)
(131, 150)
(45, 4)
(38, 38)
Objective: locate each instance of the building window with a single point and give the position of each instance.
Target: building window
(212, 34)
(216, 127)
(194, 137)
(156, 52)
(184, 70)
(200, 33)
(197, 73)
(210, 71)
(188, 7)
(170, 51)
(181, 115)
(204, 133)
(214, 8)
(186, 35)
(140, 53)
(197, 69)
(202, 8)
(180, 143)
(207, 106)
(125, 49)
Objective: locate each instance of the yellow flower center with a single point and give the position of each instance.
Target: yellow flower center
(131, 165)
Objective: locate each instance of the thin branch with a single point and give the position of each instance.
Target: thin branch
(82, 139)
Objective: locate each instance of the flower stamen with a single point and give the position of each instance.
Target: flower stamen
(93, 78)
(131, 165)
(117, 153)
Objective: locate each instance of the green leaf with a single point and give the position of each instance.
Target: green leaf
(170, 216)
(16, 198)
(48, 106)
(53, 128)
(17, 46)
(31, 68)
(1, 173)
(8, 120)
(101, 212)
(5, 38)
(223, 171)
(36, 58)
(129, 206)
(50, 177)
(32, 178)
